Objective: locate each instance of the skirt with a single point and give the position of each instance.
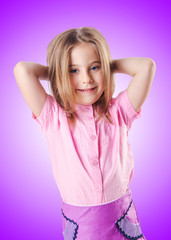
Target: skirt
(116, 220)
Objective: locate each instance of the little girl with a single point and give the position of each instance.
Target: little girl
(87, 131)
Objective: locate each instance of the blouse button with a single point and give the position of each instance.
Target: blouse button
(90, 118)
(93, 137)
(95, 162)
(99, 190)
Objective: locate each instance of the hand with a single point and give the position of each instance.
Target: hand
(113, 66)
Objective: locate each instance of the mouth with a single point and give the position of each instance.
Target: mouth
(87, 90)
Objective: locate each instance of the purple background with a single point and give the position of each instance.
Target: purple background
(29, 198)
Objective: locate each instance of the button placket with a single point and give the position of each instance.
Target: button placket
(93, 157)
(97, 183)
(94, 145)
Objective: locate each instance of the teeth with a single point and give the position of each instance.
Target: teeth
(86, 89)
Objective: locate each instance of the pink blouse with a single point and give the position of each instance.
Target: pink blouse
(92, 163)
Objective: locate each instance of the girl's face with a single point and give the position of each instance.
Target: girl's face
(86, 74)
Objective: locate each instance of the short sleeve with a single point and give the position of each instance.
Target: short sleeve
(49, 116)
(126, 110)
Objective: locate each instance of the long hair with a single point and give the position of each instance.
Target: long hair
(58, 60)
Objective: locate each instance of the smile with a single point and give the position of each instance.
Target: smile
(89, 90)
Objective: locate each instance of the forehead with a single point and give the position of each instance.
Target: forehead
(84, 51)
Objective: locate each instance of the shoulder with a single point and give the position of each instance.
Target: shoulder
(49, 115)
(51, 101)
(122, 109)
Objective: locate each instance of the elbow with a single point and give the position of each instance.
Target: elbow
(17, 65)
(151, 68)
(18, 71)
(17, 68)
(151, 63)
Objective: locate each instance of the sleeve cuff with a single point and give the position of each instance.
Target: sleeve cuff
(132, 114)
(42, 118)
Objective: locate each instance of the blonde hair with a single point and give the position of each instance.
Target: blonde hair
(58, 60)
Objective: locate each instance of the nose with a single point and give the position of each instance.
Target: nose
(86, 77)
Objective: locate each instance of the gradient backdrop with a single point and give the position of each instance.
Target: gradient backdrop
(29, 198)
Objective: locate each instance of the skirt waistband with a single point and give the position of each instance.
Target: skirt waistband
(128, 193)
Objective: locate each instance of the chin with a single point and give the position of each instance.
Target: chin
(86, 103)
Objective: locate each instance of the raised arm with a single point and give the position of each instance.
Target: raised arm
(142, 70)
(28, 76)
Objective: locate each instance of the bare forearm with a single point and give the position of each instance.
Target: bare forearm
(131, 66)
(35, 69)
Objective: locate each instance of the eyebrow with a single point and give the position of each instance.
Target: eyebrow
(90, 63)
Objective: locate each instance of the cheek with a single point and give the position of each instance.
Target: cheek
(73, 82)
(101, 79)
(102, 83)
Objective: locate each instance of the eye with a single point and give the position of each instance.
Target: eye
(73, 70)
(95, 67)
